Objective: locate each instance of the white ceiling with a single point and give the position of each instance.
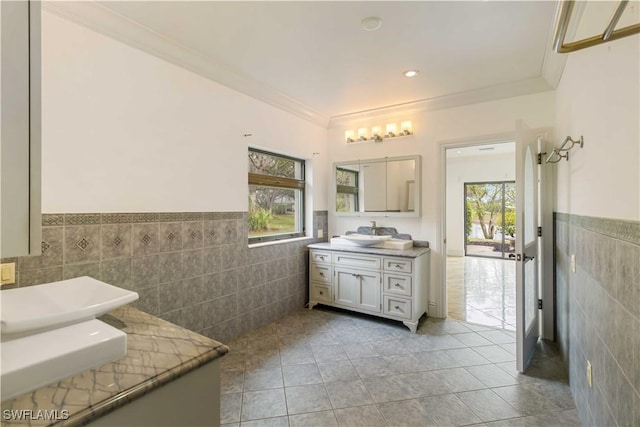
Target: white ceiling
(312, 59)
(316, 54)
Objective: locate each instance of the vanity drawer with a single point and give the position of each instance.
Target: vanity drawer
(321, 273)
(397, 284)
(321, 293)
(362, 261)
(396, 306)
(320, 257)
(397, 264)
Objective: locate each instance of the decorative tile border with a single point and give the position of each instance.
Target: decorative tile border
(52, 219)
(116, 218)
(211, 215)
(170, 216)
(628, 231)
(232, 215)
(192, 216)
(82, 219)
(144, 217)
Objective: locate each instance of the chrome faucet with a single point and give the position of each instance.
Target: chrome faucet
(374, 228)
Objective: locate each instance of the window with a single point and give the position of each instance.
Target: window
(346, 190)
(276, 196)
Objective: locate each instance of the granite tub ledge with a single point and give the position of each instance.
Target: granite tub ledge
(158, 352)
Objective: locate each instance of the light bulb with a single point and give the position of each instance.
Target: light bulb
(406, 127)
(348, 135)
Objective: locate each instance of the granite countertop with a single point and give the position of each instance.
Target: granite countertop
(407, 253)
(157, 352)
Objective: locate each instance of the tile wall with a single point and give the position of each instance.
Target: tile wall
(598, 315)
(192, 269)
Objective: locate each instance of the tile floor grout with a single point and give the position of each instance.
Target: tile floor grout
(321, 325)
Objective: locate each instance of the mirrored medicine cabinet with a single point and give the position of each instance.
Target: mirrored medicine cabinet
(388, 186)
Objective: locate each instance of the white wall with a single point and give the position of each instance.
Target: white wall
(598, 97)
(124, 131)
(481, 168)
(431, 128)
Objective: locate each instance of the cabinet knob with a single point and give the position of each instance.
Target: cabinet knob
(398, 266)
(321, 273)
(397, 307)
(321, 293)
(397, 285)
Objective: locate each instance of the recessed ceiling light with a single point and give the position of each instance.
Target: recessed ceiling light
(411, 73)
(371, 23)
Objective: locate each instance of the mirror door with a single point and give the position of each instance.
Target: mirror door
(387, 187)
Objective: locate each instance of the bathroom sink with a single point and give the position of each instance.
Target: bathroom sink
(32, 309)
(365, 239)
(33, 361)
(381, 242)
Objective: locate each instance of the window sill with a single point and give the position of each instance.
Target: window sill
(279, 242)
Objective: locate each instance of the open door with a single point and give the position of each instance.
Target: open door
(528, 145)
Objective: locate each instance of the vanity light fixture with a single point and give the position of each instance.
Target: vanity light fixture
(376, 132)
(406, 128)
(391, 131)
(348, 135)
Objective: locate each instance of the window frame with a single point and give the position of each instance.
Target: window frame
(280, 182)
(350, 189)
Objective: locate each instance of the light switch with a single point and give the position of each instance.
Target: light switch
(8, 273)
(320, 233)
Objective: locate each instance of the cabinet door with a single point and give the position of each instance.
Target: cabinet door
(369, 287)
(358, 288)
(345, 287)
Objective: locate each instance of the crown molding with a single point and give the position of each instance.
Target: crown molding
(553, 63)
(492, 93)
(94, 16)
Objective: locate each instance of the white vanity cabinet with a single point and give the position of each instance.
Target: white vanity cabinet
(395, 287)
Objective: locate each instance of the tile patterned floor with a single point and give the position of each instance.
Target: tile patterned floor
(482, 291)
(323, 367)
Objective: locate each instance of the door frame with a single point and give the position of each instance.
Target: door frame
(547, 200)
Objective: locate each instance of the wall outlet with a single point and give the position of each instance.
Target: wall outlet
(320, 233)
(589, 374)
(8, 274)
(573, 263)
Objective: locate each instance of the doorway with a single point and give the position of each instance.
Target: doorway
(480, 232)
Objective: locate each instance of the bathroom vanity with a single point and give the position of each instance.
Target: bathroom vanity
(393, 284)
(168, 377)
